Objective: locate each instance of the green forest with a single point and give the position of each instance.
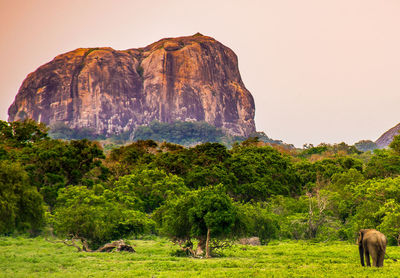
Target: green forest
(201, 197)
(181, 133)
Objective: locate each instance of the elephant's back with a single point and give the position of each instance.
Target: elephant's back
(377, 239)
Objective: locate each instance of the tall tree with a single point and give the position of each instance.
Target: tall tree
(201, 214)
(21, 206)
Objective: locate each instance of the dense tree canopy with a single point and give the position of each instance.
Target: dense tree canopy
(151, 187)
(203, 193)
(201, 214)
(21, 206)
(261, 172)
(183, 133)
(98, 217)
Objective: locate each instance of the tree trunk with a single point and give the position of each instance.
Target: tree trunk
(200, 247)
(117, 246)
(398, 240)
(208, 243)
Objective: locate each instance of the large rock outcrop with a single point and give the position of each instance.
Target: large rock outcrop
(386, 138)
(193, 78)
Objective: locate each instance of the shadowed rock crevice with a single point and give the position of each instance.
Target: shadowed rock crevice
(73, 107)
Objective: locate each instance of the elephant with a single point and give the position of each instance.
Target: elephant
(372, 243)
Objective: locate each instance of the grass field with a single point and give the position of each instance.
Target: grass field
(35, 257)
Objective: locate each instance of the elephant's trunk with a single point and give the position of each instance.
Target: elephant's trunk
(361, 250)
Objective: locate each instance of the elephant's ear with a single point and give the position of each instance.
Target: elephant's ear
(360, 236)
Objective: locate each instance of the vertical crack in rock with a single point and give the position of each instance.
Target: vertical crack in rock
(73, 107)
(170, 87)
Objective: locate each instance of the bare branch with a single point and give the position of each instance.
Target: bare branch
(117, 246)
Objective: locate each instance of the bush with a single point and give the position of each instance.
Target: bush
(99, 218)
(257, 220)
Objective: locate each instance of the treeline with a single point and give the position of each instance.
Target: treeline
(204, 193)
(181, 133)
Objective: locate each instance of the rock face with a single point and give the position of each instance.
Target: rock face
(193, 78)
(387, 137)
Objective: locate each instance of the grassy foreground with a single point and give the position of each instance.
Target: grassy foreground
(35, 257)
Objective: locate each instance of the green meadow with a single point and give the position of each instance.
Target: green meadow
(36, 257)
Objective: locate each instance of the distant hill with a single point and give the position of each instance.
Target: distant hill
(387, 137)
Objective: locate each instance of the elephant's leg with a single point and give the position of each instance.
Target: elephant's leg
(380, 259)
(382, 255)
(374, 253)
(374, 256)
(375, 260)
(367, 257)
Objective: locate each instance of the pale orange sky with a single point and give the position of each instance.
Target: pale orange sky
(319, 70)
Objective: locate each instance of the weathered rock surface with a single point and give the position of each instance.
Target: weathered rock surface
(387, 137)
(193, 78)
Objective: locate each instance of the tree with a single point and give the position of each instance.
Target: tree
(81, 157)
(207, 166)
(176, 162)
(21, 206)
(150, 187)
(340, 193)
(202, 176)
(261, 172)
(257, 220)
(390, 224)
(376, 206)
(122, 161)
(54, 164)
(383, 164)
(62, 131)
(326, 168)
(395, 144)
(22, 133)
(292, 216)
(184, 133)
(96, 218)
(318, 212)
(201, 214)
(310, 149)
(365, 145)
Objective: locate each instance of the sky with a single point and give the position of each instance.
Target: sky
(319, 70)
